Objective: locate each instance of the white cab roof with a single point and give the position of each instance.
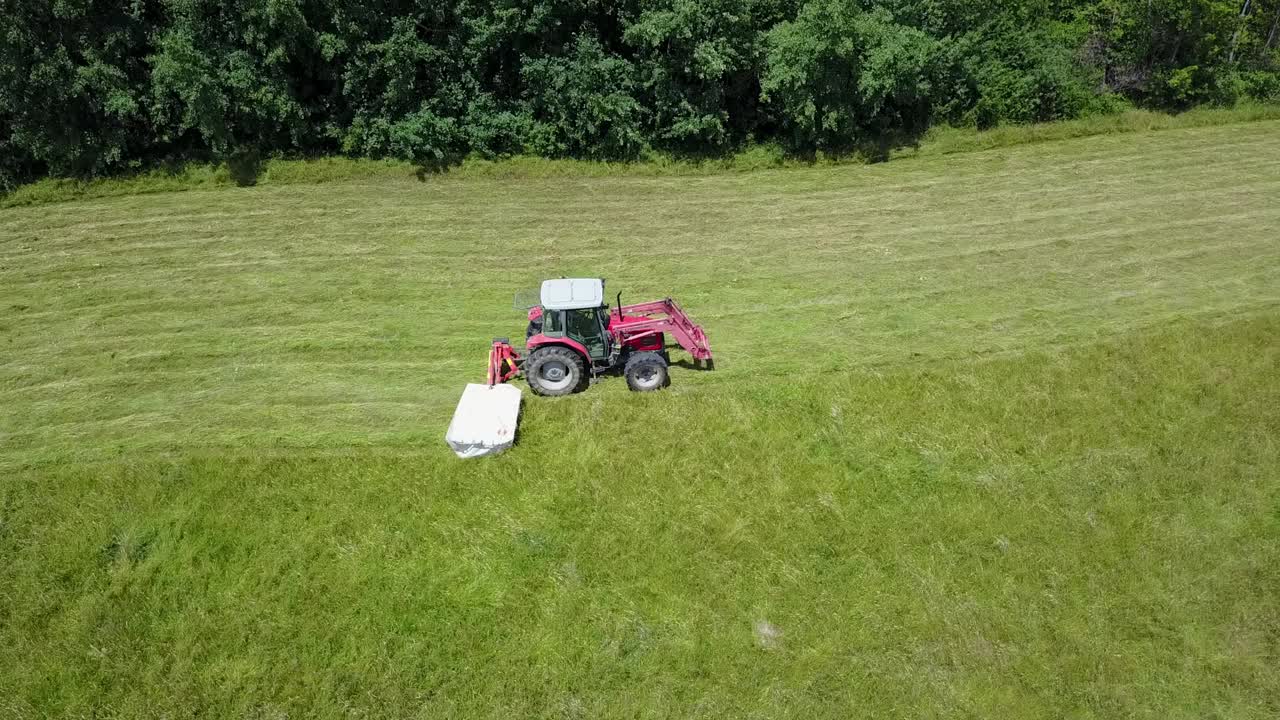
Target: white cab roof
(572, 293)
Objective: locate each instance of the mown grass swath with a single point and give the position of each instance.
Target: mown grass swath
(938, 141)
(990, 433)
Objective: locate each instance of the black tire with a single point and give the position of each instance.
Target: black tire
(555, 371)
(646, 372)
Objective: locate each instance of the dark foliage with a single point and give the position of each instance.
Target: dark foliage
(98, 87)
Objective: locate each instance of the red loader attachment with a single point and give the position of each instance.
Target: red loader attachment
(634, 322)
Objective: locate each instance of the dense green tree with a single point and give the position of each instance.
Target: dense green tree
(91, 87)
(583, 104)
(699, 66)
(406, 92)
(1028, 75)
(839, 74)
(224, 77)
(72, 87)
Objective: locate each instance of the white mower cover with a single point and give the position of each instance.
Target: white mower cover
(485, 421)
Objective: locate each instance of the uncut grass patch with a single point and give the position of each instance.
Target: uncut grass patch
(1086, 530)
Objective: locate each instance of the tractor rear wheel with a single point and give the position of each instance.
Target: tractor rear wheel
(646, 372)
(554, 371)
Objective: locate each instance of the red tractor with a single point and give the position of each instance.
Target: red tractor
(573, 337)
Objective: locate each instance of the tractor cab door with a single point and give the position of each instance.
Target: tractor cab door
(587, 327)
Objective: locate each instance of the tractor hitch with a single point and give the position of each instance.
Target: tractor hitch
(504, 362)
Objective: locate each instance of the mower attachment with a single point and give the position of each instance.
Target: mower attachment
(485, 421)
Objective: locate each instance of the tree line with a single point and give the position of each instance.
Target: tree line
(99, 87)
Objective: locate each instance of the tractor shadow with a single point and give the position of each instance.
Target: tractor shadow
(693, 365)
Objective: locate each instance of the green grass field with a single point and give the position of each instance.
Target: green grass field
(994, 434)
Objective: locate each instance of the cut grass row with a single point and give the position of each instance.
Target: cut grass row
(991, 434)
(280, 316)
(938, 141)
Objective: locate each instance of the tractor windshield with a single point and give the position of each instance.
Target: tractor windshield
(583, 323)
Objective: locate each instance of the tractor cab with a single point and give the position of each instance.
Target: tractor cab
(573, 336)
(574, 309)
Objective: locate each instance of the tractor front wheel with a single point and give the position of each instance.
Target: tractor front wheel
(554, 371)
(646, 372)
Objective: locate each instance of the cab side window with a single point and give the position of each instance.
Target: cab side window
(553, 321)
